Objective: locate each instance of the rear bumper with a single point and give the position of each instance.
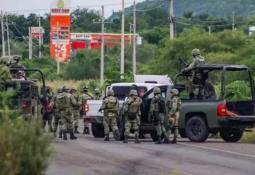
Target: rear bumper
(246, 121)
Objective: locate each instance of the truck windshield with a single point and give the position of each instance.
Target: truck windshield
(121, 92)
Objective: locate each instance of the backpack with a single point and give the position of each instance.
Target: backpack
(61, 101)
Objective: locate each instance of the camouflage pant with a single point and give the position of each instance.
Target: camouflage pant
(66, 121)
(160, 128)
(86, 124)
(76, 117)
(110, 122)
(56, 122)
(173, 126)
(131, 124)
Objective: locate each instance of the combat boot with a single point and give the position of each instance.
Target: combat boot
(116, 135)
(107, 138)
(72, 137)
(64, 135)
(159, 140)
(86, 130)
(174, 141)
(76, 130)
(137, 139)
(166, 141)
(125, 139)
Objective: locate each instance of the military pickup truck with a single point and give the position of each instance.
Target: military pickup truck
(226, 108)
(28, 94)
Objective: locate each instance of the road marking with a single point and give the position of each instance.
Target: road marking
(219, 150)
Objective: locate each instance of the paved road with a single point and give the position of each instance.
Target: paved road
(90, 156)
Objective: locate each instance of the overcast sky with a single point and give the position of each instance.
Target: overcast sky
(43, 6)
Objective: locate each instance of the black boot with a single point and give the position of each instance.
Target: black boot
(174, 141)
(137, 139)
(64, 135)
(107, 138)
(159, 140)
(86, 130)
(60, 133)
(125, 139)
(72, 137)
(76, 130)
(166, 140)
(116, 135)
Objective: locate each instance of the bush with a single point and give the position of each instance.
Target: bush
(249, 137)
(24, 148)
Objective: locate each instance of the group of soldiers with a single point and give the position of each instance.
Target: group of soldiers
(63, 110)
(132, 115)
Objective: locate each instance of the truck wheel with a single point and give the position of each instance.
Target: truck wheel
(196, 129)
(231, 134)
(97, 130)
(182, 133)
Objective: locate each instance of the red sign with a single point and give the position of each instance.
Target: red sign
(36, 32)
(60, 44)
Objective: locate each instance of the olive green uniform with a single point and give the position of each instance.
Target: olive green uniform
(76, 111)
(157, 111)
(110, 106)
(174, 107)
(64, 103)
(83, 98)
(132, 116)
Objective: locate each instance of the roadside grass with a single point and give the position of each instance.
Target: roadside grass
(77, 84)
(249, 137)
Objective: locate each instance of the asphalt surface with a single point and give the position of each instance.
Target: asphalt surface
(91, 156)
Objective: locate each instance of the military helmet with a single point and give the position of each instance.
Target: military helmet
(196, 52)
(97, 91)
(110, 92)
(174, 91)
(156, 90)
(65, 89)
(133, 92)
(59, 90)
(85, 88)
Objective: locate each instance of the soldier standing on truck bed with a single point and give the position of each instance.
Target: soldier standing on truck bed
(110, 106)
(195, 84)
(64, 103)
(56, 114)
(158, 113)
(174, 107)
(132, 115)
(76, 110)
(84, 97)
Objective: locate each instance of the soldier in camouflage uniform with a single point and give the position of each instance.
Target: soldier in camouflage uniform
(158, 113)
(64, 103)
(97, 94)
(132, 115)
(84, 97)
(47, 110)
(76, 110)
(195, 84)
(56, 114)
(174, 107)
(110, 106)
(5, 74)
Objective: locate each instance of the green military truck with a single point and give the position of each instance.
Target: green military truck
(226, 108)
(26, 95)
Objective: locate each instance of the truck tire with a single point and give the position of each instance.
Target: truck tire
(231, 134)
(196, 129)
(97, 130)
(182, 133)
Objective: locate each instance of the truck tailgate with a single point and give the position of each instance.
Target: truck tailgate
(94, 106)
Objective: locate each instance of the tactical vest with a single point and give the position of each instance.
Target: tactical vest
(133, 108)
(178, 103)
(158, 105)
(111, 104)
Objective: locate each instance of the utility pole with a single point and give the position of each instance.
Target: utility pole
(102, 49)
(40, 38)
(233, 21)
(171, 15)
(134, 38)
(30, 44)
(8, 36)
(58, 61)
(122, 56)
(2, 27)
